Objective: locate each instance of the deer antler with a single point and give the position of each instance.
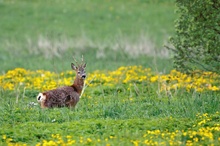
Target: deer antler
(82, 59)
(75, 61)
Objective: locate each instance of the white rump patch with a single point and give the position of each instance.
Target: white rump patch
(40, 97)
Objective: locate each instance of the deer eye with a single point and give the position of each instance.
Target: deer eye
(78, 72)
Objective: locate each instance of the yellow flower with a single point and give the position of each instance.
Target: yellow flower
(68, 137)
(4, 137)
(154, 79)
(38, 144)
(46, 80)
(89, 140)
(135, 142)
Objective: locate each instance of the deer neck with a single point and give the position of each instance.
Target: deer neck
(78, 85)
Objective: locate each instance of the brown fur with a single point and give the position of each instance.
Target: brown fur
(61, 97)
(67, 96)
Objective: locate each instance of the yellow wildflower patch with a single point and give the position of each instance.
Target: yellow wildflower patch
(152, 137)
(46, 80)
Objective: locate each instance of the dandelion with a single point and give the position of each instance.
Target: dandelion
(68, 137)
(153, 79)
(46, 80)
(135, 142)
(89, 140)
(4, 137)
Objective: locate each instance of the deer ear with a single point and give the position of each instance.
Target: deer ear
(84, 66)
(73, 66)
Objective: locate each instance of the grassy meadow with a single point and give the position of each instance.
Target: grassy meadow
(132, 94)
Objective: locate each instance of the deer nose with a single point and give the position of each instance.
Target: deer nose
(83, 76)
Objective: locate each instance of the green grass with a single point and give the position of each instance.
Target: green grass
(105, 112)
(108, 34)
(86, 28)
(99, 20)
(111, 62)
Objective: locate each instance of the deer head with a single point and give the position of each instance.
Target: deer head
(80, 69)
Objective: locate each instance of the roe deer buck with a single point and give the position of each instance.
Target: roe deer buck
(66, 96)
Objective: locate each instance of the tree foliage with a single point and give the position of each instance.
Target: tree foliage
(196, 44)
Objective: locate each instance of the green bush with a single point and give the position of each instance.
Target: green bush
(197, 39)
